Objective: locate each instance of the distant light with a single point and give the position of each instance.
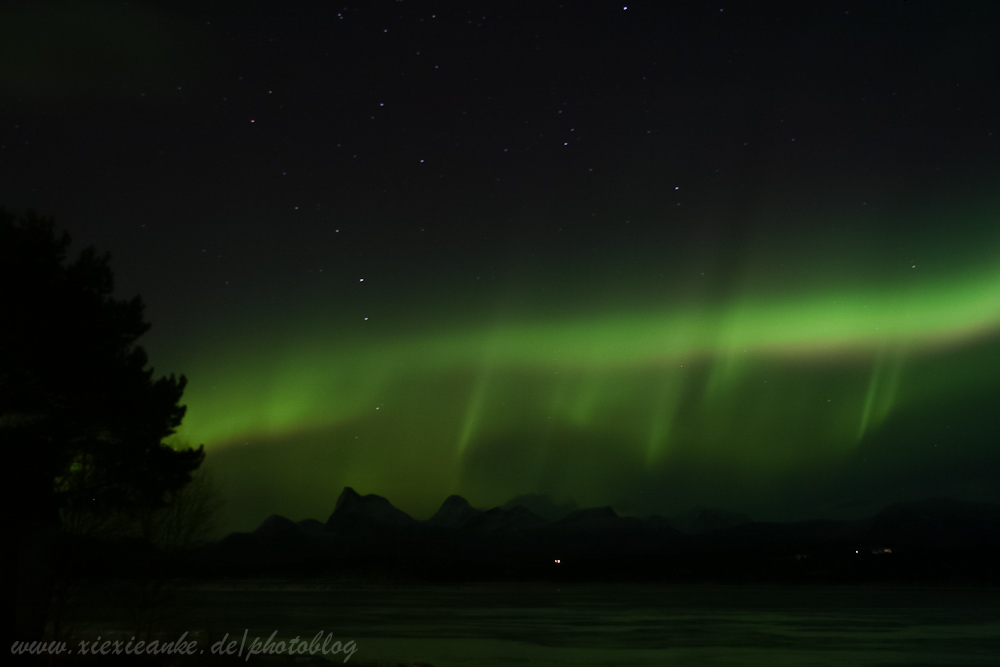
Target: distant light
(557, 560)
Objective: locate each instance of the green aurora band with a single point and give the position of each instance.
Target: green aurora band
(731, 392)
(767, 385)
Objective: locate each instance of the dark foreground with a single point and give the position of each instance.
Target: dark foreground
(489, 625)
(939, 542)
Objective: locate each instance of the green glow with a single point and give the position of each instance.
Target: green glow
(882, 389)
(664, 411)
(311, 384)
(474, 412)
(763, 381)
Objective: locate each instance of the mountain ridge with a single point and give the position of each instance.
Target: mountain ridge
(916, 541)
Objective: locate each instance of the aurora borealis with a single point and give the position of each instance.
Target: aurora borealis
(576, 404)
(646, 256)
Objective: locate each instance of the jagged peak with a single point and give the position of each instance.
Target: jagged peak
(351, 502)
(455, 500)
(350, 499)
(455, 510)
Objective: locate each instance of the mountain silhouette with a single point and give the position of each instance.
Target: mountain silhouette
(517, 519)
(455, 512)
(938, 540)
(353, 509)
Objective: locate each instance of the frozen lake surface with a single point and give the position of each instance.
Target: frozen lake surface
(546, 624)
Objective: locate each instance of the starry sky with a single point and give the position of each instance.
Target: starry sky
(654, 255)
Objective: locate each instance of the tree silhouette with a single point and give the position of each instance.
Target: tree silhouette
(82, 420)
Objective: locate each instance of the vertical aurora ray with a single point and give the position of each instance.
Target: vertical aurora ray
(474, 411)
(586, 399)
(553, 410)
(883, 388)
(666, 397)
(479, 394)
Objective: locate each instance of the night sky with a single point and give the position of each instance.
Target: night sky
(734, 254)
